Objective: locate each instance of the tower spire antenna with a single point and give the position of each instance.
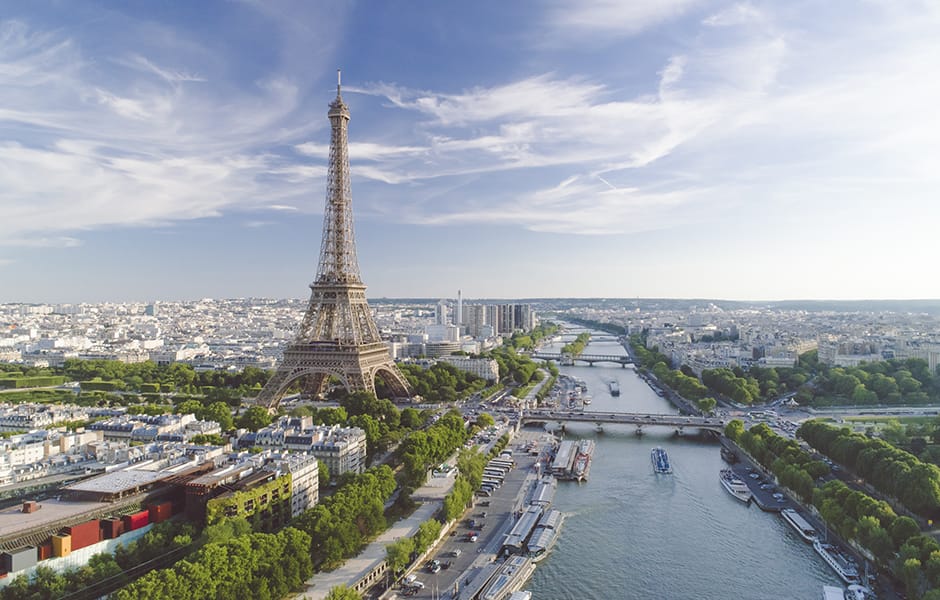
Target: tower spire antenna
(339, 81)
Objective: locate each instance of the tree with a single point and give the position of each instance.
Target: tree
(254, 418)
(399, 552)
(411, 418)
(427, 533)
(189, 407)
(341, 592)
(485, 420)
(707, 405)
(903, 529)
(734, 429)
(220, 413)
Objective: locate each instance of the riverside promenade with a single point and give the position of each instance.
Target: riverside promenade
(430, 495)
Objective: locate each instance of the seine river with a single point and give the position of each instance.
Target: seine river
(633, 534)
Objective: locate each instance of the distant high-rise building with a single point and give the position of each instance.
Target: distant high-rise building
(505, 319)
(474, 318)
(440, 312)
(458, 319)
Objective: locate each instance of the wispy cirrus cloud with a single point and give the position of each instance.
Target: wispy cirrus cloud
(752, 104)
(611, 17)
(135, 140)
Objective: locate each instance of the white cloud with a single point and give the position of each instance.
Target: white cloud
(755, 105)
(170, 75)
(42, 242)
(129, 141)
(361, 150)
(612, 17)
(742, 13)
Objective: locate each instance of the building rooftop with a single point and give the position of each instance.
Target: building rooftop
(14, 523)
(119, 481)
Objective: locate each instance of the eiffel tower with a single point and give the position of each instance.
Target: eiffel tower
(337, 336)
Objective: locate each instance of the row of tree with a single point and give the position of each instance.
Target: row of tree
(895, 541)
(686, 385)
(12, 382)
(532, 338)
(441, 382)
(518, 368)
(403, 551)
(741, 389)
(255, 565)
(576, 347)
(340, 525)
(427, 448)
(174, 376)
(894, 381)
(892, 471)
(794, 468)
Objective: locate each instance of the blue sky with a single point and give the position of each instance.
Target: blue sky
(599, 148)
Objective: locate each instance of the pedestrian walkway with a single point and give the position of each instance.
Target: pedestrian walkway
(353, 570)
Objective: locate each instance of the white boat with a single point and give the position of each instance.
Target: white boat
(844, 566)
(858, 592)
(853, 592)
(660, 460)
(521, 595)
(799, 524)
(734, 486)
(831, 592)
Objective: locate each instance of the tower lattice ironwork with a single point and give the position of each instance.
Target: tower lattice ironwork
(337, 336)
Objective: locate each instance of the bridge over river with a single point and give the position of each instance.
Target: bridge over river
(620, 359)
(679, 422)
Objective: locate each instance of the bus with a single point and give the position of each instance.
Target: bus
(494, 472)
(503, 464)
(495, 483)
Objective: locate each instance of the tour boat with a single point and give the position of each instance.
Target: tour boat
(734, 485)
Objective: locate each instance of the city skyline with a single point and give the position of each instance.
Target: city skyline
(728, 150)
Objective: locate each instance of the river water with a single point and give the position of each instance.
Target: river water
(633, 534)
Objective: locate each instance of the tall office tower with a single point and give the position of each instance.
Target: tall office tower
(474, 318)
(492, 318)
(505, 321)
(523, 316)
(440, 312)
(337, 336)
(458, 318)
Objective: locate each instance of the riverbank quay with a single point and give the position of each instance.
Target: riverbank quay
(684, 406)
(471, 548)
(369, 569)
(885, 585)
